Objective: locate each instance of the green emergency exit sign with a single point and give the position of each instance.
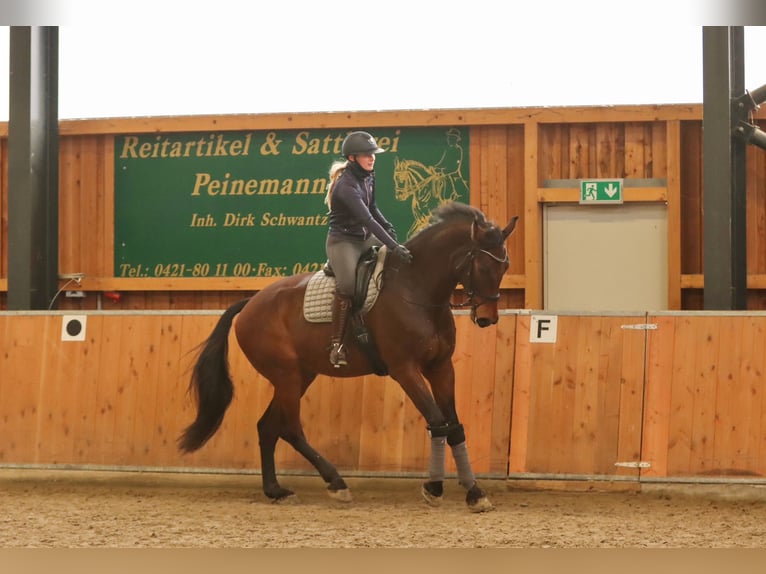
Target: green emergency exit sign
(600, 191)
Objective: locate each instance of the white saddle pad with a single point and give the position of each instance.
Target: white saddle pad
(317, 303)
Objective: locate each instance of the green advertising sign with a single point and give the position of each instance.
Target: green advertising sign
(251, 203)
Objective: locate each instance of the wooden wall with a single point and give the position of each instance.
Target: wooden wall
(685, 397)
(119, 398)
(521, 159)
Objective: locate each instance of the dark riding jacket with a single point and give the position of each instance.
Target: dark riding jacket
(353, 211)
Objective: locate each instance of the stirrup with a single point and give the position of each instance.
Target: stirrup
(338, 355)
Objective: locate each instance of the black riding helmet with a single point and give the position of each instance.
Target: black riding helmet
(359, 142)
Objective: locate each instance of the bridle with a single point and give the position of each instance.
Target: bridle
(471, 293)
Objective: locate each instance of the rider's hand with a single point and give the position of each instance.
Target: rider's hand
(403, 253)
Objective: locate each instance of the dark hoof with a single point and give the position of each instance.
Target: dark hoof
(432, 493)
(279, 495)
(477, 500)
(287, 500)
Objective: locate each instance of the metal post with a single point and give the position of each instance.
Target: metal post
(33, 168)
(724, 197)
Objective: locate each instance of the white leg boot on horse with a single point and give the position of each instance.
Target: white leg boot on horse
(341, 311)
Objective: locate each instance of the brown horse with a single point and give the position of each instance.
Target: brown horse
(412, 325)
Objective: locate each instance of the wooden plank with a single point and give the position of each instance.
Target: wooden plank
(606, 414)
(550, 142)
(85, 428)
(749, 397)
(106, 267)
(752, 367)
(91, 196)
(3, 214)
(635, 148)
(758, 367)
(149, 392)
(515, 197)
(690, 195)
(520, 406)
(505, 357)
(584, 439)
(533, 258)
(657, 395)
(170, 391)
(681, 376)
(496, 190)
(634, 345)
(22, 360)
(674, 224)
(70, 195)
(607, 151)
(126, 391)
(703, 459)
(579, 151)
(52, 427)
(726, 427)
(70, 392)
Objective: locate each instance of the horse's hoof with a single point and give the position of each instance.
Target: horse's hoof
(288, 500)
(281, 495)
(477, 501)
(481, 505)
(341, 495)
(432, 493)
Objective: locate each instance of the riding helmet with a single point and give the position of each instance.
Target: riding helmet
(359, 142)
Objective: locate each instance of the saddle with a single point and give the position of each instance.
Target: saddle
(317, 302)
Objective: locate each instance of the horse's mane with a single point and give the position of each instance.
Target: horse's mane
(454, 211)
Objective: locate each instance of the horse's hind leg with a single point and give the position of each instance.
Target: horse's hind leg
(282, 420)
(268, 434)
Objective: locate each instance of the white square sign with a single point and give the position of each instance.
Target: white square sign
(542, 329)
(73, 327)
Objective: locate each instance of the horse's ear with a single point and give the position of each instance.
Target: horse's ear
(510, 227)
(476, 229)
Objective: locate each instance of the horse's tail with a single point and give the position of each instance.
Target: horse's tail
(211, 383)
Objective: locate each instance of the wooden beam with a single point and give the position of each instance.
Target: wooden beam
(673, 196)
(572, 195)
(351, 120)
(533, 221)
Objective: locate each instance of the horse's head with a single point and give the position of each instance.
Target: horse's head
(402, 185)
(483, 269)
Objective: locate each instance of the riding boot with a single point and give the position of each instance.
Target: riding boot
(341, 311)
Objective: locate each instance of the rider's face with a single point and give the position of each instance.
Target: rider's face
(366, 160)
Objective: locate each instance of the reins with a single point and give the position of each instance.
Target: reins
(467, 284)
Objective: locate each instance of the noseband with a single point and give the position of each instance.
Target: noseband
(471, 293)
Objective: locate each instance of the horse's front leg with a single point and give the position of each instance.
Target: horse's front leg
(441, 376)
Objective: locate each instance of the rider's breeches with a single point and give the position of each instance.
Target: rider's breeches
(343, 254)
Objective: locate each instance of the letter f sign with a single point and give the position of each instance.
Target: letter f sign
(542, 328)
